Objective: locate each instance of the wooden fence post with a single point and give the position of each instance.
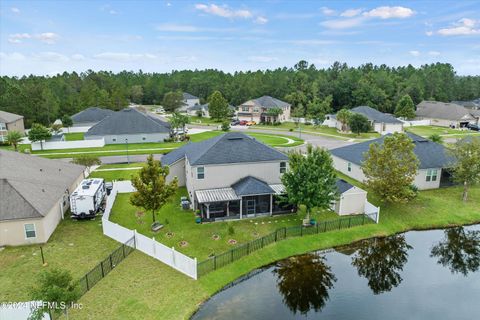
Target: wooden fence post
(86, 280)
(103, 272)
(214, 262)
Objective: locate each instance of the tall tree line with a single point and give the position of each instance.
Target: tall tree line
(43, 99)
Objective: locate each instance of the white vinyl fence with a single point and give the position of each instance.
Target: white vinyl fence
(372, 211)
(414, 123)
(54, 145)
(153, 248)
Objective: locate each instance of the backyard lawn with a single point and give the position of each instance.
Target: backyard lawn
(204, 121)
(75, 136)
(426, 131)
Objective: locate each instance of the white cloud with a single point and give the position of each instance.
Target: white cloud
(463, 26)
(169, 4)
(18, 37)
(429, 33)
(223, 11)
(390, 12)
(48, 37)
(351, 13)
(327, 11)
(261, 20)
(50, 56)
(262, 59)
(414, 53)
(113, 12)
(171, 27)
(14, 56)
(434, 53)
(78, 57)
(124, 56)
(15, 10)
(343, 23)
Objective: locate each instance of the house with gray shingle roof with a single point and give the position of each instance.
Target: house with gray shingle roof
(257, 110)
(382, 123)
(446, 114)
(189, 100)
(10, 122)
(193, 111)
(129, 126)
(90, 116)
(433, 157)
(230, 176)
(33, 196)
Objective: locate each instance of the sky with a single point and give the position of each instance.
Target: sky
(50, 37)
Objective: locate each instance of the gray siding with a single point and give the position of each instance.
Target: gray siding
(132, 138)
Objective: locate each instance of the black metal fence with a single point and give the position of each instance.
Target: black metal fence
(103, 268)
(218, 261)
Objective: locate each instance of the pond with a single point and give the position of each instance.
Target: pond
(416, 275)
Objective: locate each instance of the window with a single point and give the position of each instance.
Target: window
(283, 167)
(245, 109)
(432, 174)
(349, 167)
(114, 139)
(256, 109)
(30, 231)
(3, 126)
(143, 138)
(200, 173)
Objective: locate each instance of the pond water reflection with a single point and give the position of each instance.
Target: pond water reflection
(416, 275)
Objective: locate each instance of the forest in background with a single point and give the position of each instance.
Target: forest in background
(43, 99)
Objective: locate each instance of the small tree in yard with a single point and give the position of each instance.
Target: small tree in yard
(40, 133)
(179, 121)
(344, 116)
(56, 128)
(466, 163)
(391, 167)
(436, 138)
(225, 126)
(311, 179)
(405, 108)
(87, 160)
(14, 138)
(67, 122)
(217, 106)
(273, 113)
(172, 101)
(58, 287)
(358, 123)
(153, 191)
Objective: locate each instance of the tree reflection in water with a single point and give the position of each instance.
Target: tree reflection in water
(459, 250)
(304, 282)
(380, 260)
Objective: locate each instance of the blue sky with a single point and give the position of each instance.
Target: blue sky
(48, 37)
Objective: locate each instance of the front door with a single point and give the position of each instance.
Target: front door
(251, 206)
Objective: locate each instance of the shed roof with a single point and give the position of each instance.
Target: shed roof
(343, 186)
(8, 117)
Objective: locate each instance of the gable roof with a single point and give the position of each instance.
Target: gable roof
(429, 153)
(205, 107)
(251, 186)
(188, 96)
(267, 102)
(232, 147)
(8, 117)
(443, 110)
(92, 114)
(343, 186)
(128, 121)
(30, 186)
(375, 115)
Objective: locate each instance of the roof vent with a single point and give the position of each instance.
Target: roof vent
(41, 169)
(235, 138)
(85, 186)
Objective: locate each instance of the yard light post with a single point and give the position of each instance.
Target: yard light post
(126, 143)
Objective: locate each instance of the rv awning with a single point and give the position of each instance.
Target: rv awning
(278, 188)
(216, 195)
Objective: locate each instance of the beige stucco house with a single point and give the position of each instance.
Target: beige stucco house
(433, 158)
(257, 110)
(446, 114)
(10, 122)
(231, 176)
(33, 196)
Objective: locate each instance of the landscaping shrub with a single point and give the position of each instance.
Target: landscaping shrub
(231, 230)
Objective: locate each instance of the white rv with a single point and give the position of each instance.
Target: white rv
(87, 200)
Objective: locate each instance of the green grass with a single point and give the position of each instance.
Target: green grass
(204, 121)
(142, 288)
(76, 246)
(74, 136)
(318, 130)
(426, 131)
(114, 175)
(199, 237)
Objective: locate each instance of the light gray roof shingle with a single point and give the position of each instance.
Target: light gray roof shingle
(8, 117)
(267, 102)
(92, 114)
(375, 115)
(205, 107)
(188, 96)
(233, 147)
(128, 121)
(429, 153)
(30, 186)
(442, 110)
(251, 186)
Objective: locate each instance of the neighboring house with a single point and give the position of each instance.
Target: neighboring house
(382, 123)
(230, 176)
(189, 100)
(351, 199)
(90, 116)
(33, 196)
(257, 110)
(193, 111)
(432, 156)
(472, 104)
(129, 126)
(446, 114)
(10, 122)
